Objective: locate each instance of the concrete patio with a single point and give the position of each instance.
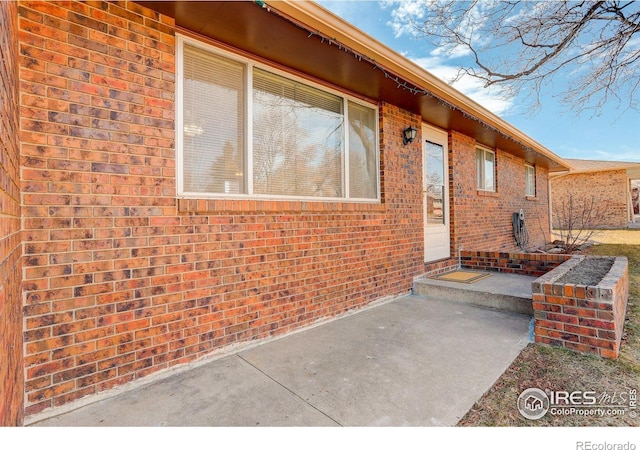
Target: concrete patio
(413, 361)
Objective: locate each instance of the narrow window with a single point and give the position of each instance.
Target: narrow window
(363, 160)
(485, 170)
(213, 123)
(435, 165)
(530, 180)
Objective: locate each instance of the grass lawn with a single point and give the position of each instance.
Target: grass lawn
(628, 237)
(558, 369)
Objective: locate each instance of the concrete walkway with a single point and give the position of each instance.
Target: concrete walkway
(414, 361)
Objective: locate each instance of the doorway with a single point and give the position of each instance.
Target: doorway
(435, 194)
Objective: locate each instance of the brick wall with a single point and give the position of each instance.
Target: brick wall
(11, 366)
(98, 178)
(609, 189)
(531, 264)
(123, 280)
(482, 220)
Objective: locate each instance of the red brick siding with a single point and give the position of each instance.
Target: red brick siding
(122, 279)
(11, 364)
(482, 221)
(532, 264)
(442, 266)
(610, 190)
(102, 283)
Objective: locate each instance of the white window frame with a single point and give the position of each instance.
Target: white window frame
(529, 171)
(481, 178)
(250, 64)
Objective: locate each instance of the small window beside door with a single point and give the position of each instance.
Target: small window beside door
(435, 183)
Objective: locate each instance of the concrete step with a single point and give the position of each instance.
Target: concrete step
(500, 291)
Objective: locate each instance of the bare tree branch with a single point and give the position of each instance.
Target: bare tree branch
(577, 219)
(591, 46)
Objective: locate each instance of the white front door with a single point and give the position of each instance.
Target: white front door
(435, 176)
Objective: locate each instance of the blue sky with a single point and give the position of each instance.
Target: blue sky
(613, 135)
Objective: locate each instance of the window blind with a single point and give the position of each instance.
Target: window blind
(213, 123)
(297, 138)
(363, 161)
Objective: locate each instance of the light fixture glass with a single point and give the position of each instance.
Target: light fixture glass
(409, 134)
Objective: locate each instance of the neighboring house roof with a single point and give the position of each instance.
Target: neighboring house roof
(591, 166)
(311, 40)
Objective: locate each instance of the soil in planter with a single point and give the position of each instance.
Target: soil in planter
(588, 272)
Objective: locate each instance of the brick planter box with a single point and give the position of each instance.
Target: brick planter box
(531, 264)
(586, 319)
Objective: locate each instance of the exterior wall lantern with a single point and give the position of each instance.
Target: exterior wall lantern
(408, 135)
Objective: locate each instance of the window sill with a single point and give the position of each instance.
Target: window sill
(224, 206)
(487, 193)
(531, 198)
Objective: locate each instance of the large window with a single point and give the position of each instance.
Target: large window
(529, 181)
(485, 170)
(246, 130)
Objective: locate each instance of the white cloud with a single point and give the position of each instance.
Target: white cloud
(403, 15)
(619, 155)
(491, 98)
(457, 51)
(622, 153)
